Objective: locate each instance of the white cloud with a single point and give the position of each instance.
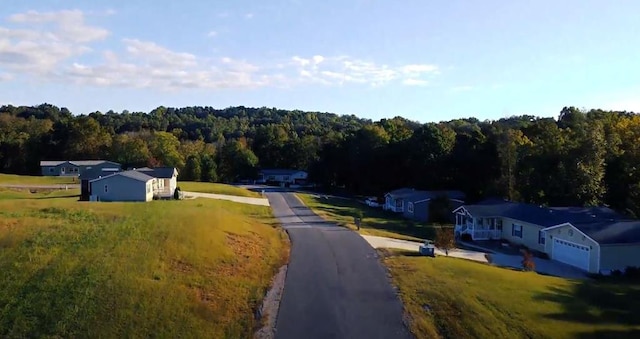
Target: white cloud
(249, 16)
(344, 69)
(49, 46)
(415, 82)
(464, 88)
(212, 34)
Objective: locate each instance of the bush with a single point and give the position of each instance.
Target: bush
(466, 237)
(527, 261)
(176, 193)
(632, 272)
(445, 239)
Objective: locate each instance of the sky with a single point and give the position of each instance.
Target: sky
(423, 60)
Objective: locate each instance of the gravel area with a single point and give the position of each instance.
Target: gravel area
(268, 313)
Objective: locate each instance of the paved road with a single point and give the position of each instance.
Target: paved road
(335, 285)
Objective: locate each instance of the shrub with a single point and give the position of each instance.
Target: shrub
(527, 261)
(632, 272)
(445, 239)
(176, 193)
(466, 237)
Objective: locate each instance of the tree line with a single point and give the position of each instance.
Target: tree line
(581, 158)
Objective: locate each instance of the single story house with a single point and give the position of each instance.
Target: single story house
(123, 186)
(414, 204)
(167, 181)
(596, 240)
(91, 174)
(283, 176)
(74, 167)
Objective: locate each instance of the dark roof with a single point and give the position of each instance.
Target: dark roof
(534, 214)
(612, 232)
(76, 162)
(412, 195)
(598, 211)
(277, 171)
(135, 175)
(158, 172)
(95, 173)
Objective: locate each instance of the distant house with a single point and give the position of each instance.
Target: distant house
(123, 186)
(74, 167)
(595, 239)
(91, 174)
(283, 176)
(167, 179)
(414, 204)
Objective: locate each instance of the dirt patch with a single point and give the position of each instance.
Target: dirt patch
(268, 314)
(181, 266)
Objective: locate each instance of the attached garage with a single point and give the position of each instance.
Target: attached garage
(571, 254)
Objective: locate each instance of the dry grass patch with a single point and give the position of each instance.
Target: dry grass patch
(196, 268)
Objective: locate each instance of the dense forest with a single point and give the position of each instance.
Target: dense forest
(580, 158)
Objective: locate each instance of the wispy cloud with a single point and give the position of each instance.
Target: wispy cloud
(464, 88)
(49, 46)
(249, 16)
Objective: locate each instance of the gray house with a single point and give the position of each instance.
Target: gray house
(123, 186)
(74, 167)
(417, 204)
(91, 174)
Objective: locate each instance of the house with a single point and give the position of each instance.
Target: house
(74, 167)
(167, 181)
(419, 203)
(283, 176)
(414, 204)
(91, 174)
(596, 240)
(123, 186)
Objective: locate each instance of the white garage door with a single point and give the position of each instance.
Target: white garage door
(571, 253)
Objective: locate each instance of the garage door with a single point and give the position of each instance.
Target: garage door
(571, 253)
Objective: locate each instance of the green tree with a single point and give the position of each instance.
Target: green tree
(237, 162)
(164, 147)
(209, 168)
(192, 170)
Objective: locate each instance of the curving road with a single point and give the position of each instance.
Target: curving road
(335, 285)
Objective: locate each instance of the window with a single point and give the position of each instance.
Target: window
(148, 188)
(106, 189)
(480, 221)
(410, 207)
(285, 178)
(541, 237)
(516, 231)
(499, 224)
(51, 170)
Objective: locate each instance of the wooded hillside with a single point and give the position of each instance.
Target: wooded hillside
(581, 158)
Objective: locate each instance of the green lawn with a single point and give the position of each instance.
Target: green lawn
(375, 220)
(36, 180)
(163, 269)
(208, 187)
(454, 298)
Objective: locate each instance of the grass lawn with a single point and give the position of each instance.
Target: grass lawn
(375, 220)
(36, 180)
(163, 269)
(455, 298)
(208, 187)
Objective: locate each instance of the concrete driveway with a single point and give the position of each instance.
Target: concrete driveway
(546, 267)
(242, 200)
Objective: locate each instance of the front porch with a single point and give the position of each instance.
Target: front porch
(478, 228)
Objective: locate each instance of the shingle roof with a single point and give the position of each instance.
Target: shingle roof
(94, 173)
(534, 214)
(612, 232)
(51, 162)
(76, 162)
(410, 194)
(402, 192)
(139, 176)
(158, 172)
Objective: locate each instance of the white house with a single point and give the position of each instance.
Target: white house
(167, 179)
(123, 186)
(283, 176)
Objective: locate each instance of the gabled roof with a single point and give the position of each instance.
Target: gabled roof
(401, 192)
(534, 214)
(412, 195)
(95, 173)
(76, 162)
(159, 172)
(135, 175)
(612, 232)
(276, 171)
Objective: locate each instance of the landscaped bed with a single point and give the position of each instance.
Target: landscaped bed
(196, 268)
(455, 298)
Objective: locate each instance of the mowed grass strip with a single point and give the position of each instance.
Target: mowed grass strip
(12, 179)
(454, 298)
(375, 221)
(188, 269)
(208, 187)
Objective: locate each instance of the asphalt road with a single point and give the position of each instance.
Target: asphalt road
(335, 285)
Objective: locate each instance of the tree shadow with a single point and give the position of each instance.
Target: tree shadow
(596, 302)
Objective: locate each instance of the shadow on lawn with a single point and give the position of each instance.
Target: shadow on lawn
(374, 218)
(594, 302)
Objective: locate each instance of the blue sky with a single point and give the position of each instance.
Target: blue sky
(423, 60)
